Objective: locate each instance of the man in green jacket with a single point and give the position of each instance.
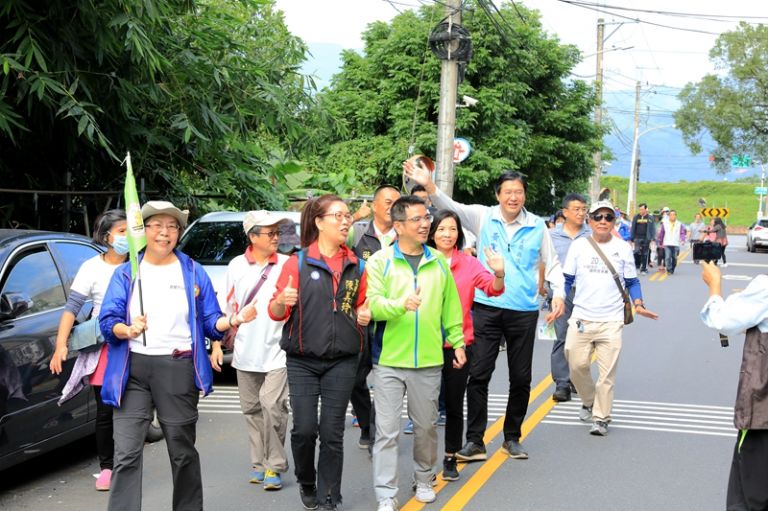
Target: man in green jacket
(414, 301)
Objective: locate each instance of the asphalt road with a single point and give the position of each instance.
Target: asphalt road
(669, 446)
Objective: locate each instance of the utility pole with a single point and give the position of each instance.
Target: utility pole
(446, 118)
(598, 156)
(632, 188)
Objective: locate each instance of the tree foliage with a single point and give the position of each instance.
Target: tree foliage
(731, 105)
(206, 94)
(529, 117)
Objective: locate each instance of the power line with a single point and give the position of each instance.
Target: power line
(704, 16)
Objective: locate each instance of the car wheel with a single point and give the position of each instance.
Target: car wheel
(154, 433)
(750, 247)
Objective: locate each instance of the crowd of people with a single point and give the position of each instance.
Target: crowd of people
(396, 304)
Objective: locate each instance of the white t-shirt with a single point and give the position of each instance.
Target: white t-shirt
(597, 297)
(165, 305)
(257, 345)
(92, 280)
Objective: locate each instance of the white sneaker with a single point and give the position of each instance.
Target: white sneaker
(424, 492)
(387, 505)
(725, 265)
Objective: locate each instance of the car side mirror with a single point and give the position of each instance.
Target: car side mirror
(13, 305)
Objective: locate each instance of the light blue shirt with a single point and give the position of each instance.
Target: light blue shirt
(740, 311)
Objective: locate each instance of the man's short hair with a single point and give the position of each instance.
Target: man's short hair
(573, 197)
(642, 205)
(418, 188)
(400, 205)
(384, 187)
(510, 175)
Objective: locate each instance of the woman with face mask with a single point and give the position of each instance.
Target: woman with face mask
(91, 283)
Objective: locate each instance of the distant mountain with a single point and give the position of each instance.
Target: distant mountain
(663, 155)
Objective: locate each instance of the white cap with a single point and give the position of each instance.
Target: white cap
(601, 204)
(161, 207)
(260, 218)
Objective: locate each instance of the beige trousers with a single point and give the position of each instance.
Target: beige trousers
(604, 340)
(264, 402)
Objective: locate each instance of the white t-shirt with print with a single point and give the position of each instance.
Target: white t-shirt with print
(166, 308)
(597, 297)
(257, 345)
(92, 280)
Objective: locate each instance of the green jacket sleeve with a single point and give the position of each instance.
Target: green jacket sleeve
(452, 313)
(382, 307)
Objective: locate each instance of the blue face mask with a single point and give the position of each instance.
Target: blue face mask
(120, 244)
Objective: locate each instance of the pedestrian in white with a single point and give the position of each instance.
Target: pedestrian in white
(597, 266)
(262, 379)
(672, 235)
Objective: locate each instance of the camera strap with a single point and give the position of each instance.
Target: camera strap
(610, 267)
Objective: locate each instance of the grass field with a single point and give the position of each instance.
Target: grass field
(684, 197)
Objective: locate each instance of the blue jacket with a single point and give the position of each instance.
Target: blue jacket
(521, 261)
(204, 311)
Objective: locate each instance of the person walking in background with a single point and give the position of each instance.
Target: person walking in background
(262, 378)
(522, 238)
(643, 231)
(157, 358)
(715, 233)
(598, 265)
(91, 283)
(575, 227)
(320, 296)
(695, 229)
(416, 306)
(672, 237)
(446, 235)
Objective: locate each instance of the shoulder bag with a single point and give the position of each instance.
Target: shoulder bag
(228, 341)
(629, 317)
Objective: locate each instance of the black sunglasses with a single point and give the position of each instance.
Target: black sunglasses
(603, 216)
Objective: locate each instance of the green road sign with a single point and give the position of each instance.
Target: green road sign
(741, 161)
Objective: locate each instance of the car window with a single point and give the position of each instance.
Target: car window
(214, 242)
(72, 255)
(764, 223)
(34, 274)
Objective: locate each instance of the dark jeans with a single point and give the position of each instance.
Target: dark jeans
(722, 254)
(519, 330)
(361, 396)
(453, 388)
(748, 482)
(670, 258)
(168, 384)
(105, 446)
(641, 254)
(331, 381)
(559, 365)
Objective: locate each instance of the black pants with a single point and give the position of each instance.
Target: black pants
(722, 254)
(361, 395)
(641, 254)
(168, 384)
(331, 381)
(453, 388)
(748, 482)
(105, 445)
(519, 330)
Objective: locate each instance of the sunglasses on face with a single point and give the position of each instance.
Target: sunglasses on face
(603, 216)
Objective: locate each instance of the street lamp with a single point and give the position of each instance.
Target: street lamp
(632, 189)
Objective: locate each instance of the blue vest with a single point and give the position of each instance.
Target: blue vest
(521, 261)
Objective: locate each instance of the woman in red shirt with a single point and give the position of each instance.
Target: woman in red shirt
(446, 235)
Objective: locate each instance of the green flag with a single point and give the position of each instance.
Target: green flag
(137, 239)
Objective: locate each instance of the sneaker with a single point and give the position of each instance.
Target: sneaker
(425, 493)
(441, 418)
(387, 505)
(514, 449)
(408, 429)
(599, 428)
(257, 477)
(725, 265)
(308, 493)
(585, 414)
(572, 387)
(562, 395)
(643, 272)
(272, 481)
(329, 506)
(450, 472)
(472, 452)
(104, 480)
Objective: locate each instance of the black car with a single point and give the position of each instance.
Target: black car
(36, 270)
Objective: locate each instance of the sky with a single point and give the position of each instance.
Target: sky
(661, 51)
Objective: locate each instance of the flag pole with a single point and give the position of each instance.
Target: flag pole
(137, 238)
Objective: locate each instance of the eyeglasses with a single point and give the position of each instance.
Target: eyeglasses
(417, 219)
(603, 216)
(578, 210)
(339, 216)
(269, 234)
(160, 227)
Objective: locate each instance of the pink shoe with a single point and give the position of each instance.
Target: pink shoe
(104, 480)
